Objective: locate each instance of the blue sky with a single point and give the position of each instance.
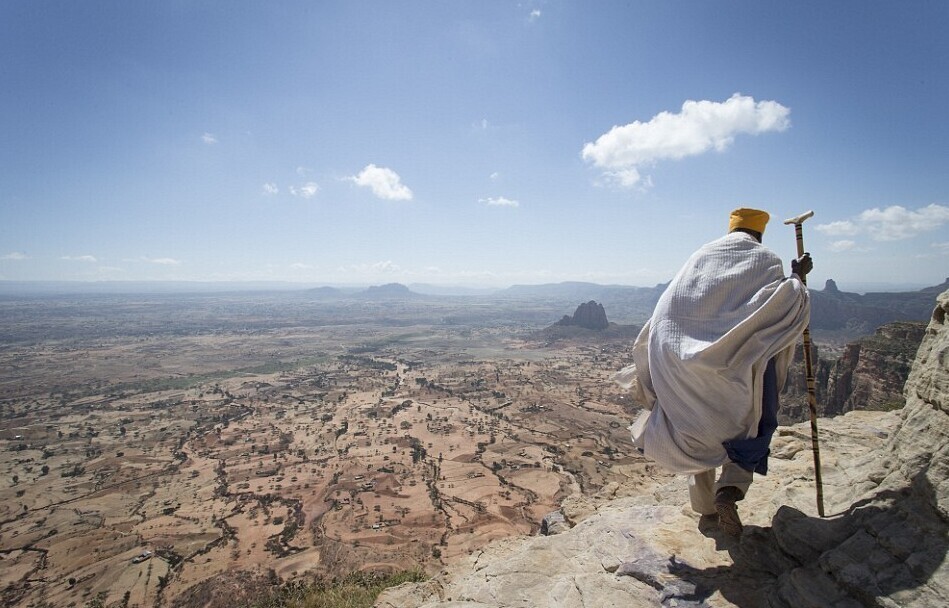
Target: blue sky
(479, 143)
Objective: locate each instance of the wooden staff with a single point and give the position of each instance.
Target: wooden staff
(809, 368)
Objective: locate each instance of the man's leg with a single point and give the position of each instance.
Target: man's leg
(732, 486)
(734, 476)
(702, 492)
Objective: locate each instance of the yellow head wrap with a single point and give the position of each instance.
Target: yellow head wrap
(752, 219)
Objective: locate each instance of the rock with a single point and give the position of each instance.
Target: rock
(883, 543)
(553, 523)
(589, 315)
(869, 374)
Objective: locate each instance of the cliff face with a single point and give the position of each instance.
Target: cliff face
(883, 543)
(869, 374)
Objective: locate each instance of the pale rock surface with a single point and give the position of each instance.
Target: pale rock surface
(883, 542)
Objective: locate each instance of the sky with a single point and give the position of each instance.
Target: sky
(484, 143)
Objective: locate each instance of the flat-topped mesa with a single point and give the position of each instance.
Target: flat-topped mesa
(589, 315)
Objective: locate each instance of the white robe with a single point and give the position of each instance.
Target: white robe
(699, 361)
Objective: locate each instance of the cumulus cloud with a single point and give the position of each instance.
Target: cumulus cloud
(384, 183)
(499, 201)
(79, 258)
(700, 126)
(893, 223)
(534, 16)
(307, 190)
(494, 176)
(270, 188)
(209, 138)
(15, 255)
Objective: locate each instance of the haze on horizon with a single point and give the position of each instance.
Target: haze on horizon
(479, 144)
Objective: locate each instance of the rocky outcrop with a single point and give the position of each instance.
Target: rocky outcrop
(883, 542)
(872, 371)
(869, 374)
(589, 315)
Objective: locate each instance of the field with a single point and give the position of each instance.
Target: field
(156, 449)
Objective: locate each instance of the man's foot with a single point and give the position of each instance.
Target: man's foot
(708, 522)
(725, 503)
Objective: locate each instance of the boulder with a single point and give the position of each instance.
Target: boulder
(554, 523)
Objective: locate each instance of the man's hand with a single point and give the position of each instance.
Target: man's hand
(802, 265)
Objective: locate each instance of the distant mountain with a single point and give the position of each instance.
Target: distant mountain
(832, 309)
(325, 293)
(389, 291)
(833, 312)
(450, 290)
(576, 290)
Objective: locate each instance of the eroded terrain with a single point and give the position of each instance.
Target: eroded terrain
(151, 448)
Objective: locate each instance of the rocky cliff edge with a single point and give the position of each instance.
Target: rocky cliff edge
(883, 542)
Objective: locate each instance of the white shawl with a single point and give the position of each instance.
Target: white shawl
(699, 361)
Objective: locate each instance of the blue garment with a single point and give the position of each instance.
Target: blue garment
(752, 454)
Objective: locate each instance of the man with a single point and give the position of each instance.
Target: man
(710, 362)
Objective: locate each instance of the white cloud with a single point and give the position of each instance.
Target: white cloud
(942, 247)
(839, 228)
(897, 223)
(494, 176)
(386, 267)
(300, 266)
(270, 188)
(79, 258)
(700, 126)
(499, 201)
(839, 246)
(163, 261)
(534, 16)
(15, 255)
(307, 190)
(209, 138)
(303, 171)
(893, 223)
(384, 182)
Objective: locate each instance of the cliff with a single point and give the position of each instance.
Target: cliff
(883, 542)
(869, 374)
